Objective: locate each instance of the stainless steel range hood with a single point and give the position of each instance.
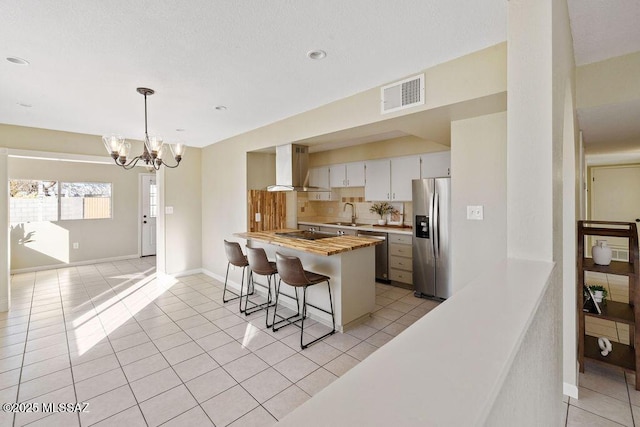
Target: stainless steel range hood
(292, 169)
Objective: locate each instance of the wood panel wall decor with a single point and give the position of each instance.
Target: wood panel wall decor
(272, 207)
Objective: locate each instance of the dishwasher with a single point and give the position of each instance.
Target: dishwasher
(382, 259)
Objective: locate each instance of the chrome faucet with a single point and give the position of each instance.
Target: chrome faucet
(353, 212)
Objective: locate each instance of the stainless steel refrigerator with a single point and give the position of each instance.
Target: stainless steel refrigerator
(431, 237)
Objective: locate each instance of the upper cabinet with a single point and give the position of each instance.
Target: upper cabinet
(378, 185)
(390, 179)
(319, 177)
(436, 165)
(403, 171)
(347, 175)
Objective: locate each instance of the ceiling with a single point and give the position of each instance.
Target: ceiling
(602, 30)
(87, 57)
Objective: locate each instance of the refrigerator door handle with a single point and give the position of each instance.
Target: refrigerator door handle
(431, 201)
(436, 225)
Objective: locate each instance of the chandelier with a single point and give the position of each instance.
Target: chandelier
(155, 151)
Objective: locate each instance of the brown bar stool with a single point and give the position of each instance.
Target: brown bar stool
(291, 272)
(259, 264)
(237, 258)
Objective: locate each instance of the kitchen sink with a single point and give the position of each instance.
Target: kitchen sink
(346, 224)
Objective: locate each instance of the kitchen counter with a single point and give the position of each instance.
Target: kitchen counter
(325, 247)
(348, 260)
(397, 230)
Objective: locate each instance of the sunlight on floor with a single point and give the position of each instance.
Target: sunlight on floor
(91, 327)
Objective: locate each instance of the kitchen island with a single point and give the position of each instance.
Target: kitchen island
(348, 260)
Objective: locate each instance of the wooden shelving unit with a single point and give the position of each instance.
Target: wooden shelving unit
(626, 356)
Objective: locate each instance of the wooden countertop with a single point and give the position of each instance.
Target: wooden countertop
(325, 247)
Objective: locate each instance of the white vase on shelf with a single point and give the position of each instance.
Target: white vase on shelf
(382, 221)
(601, 253)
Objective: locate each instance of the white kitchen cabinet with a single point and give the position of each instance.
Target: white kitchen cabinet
(378, 180)
(347, 175)
(390, 179)
(319, 177)
(436, 165)
(403, 171)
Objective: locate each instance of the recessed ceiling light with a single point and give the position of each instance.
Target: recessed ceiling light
(316, 54)
(221, 108)
(18, 61)
(24, 105)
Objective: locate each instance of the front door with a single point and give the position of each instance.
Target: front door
(149, 213)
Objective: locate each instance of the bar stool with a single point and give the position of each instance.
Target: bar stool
(237, 258)
(291, 272)
(259, 264)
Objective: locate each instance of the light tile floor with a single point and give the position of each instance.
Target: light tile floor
(146, 352)
(607, 398)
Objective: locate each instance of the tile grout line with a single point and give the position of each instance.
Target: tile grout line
(26, 339)
(116, 357)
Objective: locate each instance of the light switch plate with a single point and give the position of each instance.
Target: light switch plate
(168, 210)
(258, 217)
(475, 212)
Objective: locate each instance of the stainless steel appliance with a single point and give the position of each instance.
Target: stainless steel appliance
(382, 260)
(431, 237)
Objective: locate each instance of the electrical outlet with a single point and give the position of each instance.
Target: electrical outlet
(168, 210)
(76, 245)
(258, 217)
(475, 212)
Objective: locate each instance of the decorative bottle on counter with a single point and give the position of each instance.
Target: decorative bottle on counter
(601, 253)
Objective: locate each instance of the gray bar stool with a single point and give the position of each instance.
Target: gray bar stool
(291, 272)
(259, 264)
(237, 258)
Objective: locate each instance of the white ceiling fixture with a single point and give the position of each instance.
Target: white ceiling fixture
(154, 153)
(251, 54)
(317, 54)
(17, 61)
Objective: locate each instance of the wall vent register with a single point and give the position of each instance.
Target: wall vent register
(403, 94)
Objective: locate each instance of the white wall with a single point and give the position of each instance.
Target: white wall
(51, 243)
(5, 291)
(479, 75)
(479, 162)
(183, 190)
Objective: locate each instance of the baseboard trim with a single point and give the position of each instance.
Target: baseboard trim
(73, 264)
(185, 273)
(570, 390)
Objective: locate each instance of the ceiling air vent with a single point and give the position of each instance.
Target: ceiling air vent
(403, 94)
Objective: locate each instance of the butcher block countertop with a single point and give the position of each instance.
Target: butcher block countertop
(325, 247)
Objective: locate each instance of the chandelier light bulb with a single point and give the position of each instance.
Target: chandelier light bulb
(154, 144)
(112, 143)
(178, 150)
(124, 150)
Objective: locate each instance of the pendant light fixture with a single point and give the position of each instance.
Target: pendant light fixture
(155, 151)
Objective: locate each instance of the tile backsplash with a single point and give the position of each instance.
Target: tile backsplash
(312, 210)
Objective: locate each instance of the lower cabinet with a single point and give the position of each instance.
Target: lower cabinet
(400, 258)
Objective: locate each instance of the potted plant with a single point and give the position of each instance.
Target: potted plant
(599, 292)
(382, 209)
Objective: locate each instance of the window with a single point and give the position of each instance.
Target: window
(35, 200)
(85, 200)
(153, 200)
